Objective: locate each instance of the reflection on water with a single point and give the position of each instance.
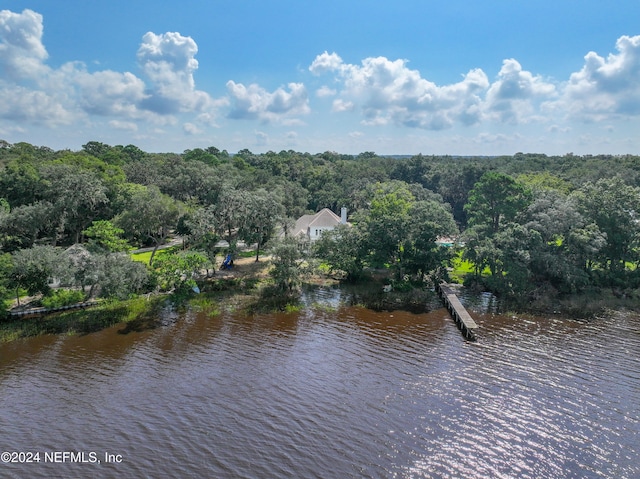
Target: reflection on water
(331, 391)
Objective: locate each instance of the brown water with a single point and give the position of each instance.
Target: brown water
(339, 393)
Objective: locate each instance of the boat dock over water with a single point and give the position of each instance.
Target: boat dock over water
(460, 315)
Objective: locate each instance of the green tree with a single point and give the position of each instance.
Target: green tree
(198, 154)
(387, 223)
(103, 235)
(429, 220)
(6, 267)
(21, 184)
(33, 268)
(150, 215)
(201, 224)
(496, 199)
(401, 226)
(23, 225)
(614, 207)
(287, 258)
(494, 238)
(263, 214)
(343, 249)
(119, 277)
(568, 244)
(83, 268)
(230, 213)
(178, 271)
(76, 197)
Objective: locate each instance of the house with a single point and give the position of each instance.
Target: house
(312, 226)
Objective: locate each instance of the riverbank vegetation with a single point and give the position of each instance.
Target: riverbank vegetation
(539, 231)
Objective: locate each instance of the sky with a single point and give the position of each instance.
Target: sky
(404, 77)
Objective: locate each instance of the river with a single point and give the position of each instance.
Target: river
(333, 391)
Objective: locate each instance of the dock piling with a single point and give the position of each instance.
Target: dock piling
(462, 318)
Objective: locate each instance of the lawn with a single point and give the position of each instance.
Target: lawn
(144, 257)
(461, 268)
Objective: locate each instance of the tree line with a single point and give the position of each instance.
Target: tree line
(529, 224)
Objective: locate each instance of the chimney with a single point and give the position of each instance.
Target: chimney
(343, 215)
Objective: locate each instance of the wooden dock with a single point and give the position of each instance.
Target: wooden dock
(460, 315)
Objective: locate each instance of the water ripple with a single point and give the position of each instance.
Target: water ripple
(334, 392)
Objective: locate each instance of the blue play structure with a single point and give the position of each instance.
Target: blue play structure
(227, 263)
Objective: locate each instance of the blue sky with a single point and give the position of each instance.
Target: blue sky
(403, 77)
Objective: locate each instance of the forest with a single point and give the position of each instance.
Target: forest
(525, 226)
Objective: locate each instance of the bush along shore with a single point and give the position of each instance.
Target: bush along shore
(540, 232)
(250, 290)
(247, 289)
(83, 321)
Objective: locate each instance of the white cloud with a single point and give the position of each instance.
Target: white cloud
(21, 50)
(324, 91)
(514, 96)
(605, 87)
(108, 92)
(497, 138)
(123, 125)
(256, 103)
(169, 62)
(387, 91)
(325, 63)
(340, 105)
(191, 129)
(18, 103)
(558, 129)
(33, 92)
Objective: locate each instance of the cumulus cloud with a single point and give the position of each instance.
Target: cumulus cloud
(22, 57)
(513, 96)
(389, 92)
(22, 104)
(606, 87)
(21, 50)
(191, 129)
(123, 125)
(168, 60)
(324, 91)
(108, 92)
(325, 63)
(342, 105)
(32, 91)
(255, 103)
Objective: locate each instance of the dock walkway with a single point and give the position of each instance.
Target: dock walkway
(460, 315)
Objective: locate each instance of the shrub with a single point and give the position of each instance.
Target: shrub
(62, 297)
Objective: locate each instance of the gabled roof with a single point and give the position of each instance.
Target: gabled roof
(325, 218)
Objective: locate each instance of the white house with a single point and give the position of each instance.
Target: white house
(312, 226)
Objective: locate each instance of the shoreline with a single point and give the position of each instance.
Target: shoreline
(245, 288)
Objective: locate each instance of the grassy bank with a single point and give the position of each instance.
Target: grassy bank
(82, 321)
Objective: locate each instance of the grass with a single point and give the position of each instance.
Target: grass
(461, 268)
(204, 304)
(144, 257)
(82, 321)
